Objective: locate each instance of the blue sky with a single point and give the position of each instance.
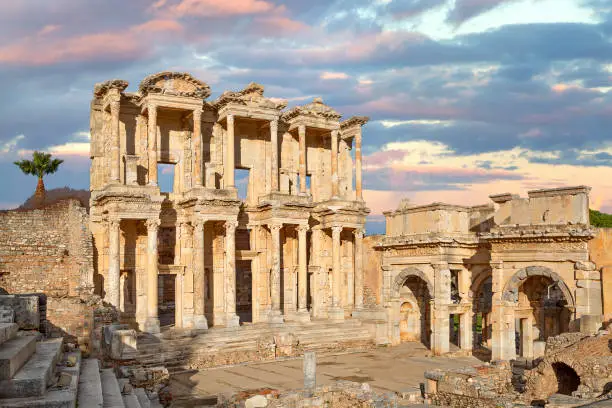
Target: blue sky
(467, 97)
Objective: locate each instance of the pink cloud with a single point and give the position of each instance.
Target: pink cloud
(275, 24)
(382, 158)
(159, 25)
(209, 8)
(48, 29)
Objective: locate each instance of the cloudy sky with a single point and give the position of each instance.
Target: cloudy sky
(467, 97)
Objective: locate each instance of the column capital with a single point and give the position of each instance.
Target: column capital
(197, 113)
(153, 223)
(440, 266)
(114, 222)
(199, 225)
(359, 232)
(337, 228)
(231, 226)
(302, 228)
(276, 226)
(496, 264)
(114, 106)
(230, 118)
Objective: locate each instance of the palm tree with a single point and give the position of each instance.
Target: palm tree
(40, 165)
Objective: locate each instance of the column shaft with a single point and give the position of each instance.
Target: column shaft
(334, 162)
(152, 323)
(358, 180)
(112, 286)
(274, 159)
(197, 147)
(199, 278)
(302, 169)
(230, 160)
(116, 142)
(231, 319)
(302, 269)
(152, 148)
(337, 313)
(275, 274)
(359, 269)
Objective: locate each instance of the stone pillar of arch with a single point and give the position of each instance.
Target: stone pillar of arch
(440, 342)
(503, 338)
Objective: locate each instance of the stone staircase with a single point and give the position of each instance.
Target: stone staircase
(36, 373)
(175, 349)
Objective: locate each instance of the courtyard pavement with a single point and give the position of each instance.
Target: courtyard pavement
(388, 369)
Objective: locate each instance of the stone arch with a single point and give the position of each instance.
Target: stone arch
(511, 289)
(399, 280)
(568, 379)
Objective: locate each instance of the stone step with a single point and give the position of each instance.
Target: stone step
(131, 401)
(36, 374)
(58, 396)
(110, 390)
(8, 331)
(14, 353)
(90, 384)
(142, 398)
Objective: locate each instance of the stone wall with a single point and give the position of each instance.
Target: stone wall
(372, 263)
(600, 252)
(49, 251)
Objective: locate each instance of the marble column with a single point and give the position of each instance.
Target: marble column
(465, 331)
(334, 163)
(274, 159)
(152, 322)
(336, 312)
(199, 295)
(115, 168)
(503, 340)
(197, 147)
(152, 145)
(113, 279)
(441, 316)
(358, 175)
(358, 268)
(302, 271)
(275, 275)
(186, 237)
(302, 167)
(230, 160)
(231, 318)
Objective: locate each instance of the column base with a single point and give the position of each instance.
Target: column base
(200, 323)
(301, 316)
(232, 320)
(335, 313)
(275, 317)
(151, 325)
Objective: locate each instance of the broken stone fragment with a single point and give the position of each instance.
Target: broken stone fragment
(64, 379)
(71, 361)
(258, 401)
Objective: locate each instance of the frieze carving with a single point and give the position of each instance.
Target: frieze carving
(315, 108)
(548, 246)
(175, 84)
(417, 251)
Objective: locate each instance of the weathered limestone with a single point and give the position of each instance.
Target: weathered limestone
(310, 371)
(213, 262)
(358, 268)
(336, 311)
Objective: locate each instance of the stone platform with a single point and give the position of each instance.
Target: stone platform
(188, 350)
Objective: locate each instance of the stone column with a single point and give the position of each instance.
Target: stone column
(358, 268)
(199, 316)
(179, 279)
(334, 162)
(152, 322)
(441, 317)
(186, 243)
(465, 331)
(115, 142)
(527, 338)
(336, 312)
(302, 169)
(275, 275)
(197, 147)
(358, 180)
(302, 272)
(503, 339)
(230, 160)
(231, 319)
(113, 279)
(152, 149)
(274, 160)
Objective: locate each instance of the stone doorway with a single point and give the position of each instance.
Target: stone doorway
(415, 313)
(244, 291)
(567, 378)
(166, 292)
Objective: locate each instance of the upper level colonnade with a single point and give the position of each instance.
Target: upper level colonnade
(302, 151)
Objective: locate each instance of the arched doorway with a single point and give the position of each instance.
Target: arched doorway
(567, 378)
(544, 308)
(415, 313)
(481, 323)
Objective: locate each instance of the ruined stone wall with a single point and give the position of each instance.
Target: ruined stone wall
(50, 251)
(600, 252)
(372, 263)
(47, 250)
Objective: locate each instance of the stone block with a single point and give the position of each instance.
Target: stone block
(590, 323)
(26, 308)
(7, 314)
(587, 275)
(310, 370)
(257, 401)
(585, 266)
(7, 331)
(14, 354)
(123, 345)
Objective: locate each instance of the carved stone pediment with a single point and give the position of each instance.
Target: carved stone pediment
(315, 108)
(252, 95)
(174, 84)
(102, 88)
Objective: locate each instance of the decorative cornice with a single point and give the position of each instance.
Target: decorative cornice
(251, 95)
(354, 121)
(102, 88)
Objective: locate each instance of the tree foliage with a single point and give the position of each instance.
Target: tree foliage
(40, 165)
(600, 220)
